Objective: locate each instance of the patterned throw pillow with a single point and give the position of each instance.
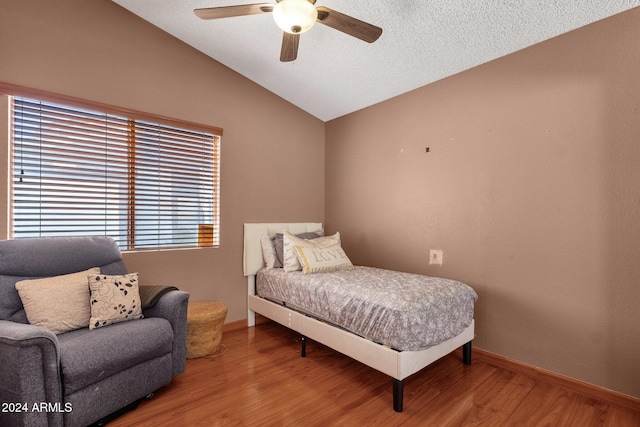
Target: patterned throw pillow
(60, 303)
(114, 299)
(279, 243)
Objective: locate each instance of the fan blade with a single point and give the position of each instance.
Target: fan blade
(229, 11)
(348, 24)
(289, 50)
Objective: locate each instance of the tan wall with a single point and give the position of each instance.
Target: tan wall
(98, 51)
(531, 187)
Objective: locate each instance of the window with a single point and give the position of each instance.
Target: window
(145, 181)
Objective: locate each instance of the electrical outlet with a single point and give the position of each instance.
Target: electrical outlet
(435, 256)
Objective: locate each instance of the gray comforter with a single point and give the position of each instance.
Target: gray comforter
(402, 310)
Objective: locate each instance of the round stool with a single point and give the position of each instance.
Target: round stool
(204, 327)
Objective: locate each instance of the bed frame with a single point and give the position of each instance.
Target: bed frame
(397, 364)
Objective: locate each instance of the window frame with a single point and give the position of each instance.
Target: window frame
(11, 90)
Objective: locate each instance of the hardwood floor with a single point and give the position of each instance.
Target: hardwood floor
(259, 379)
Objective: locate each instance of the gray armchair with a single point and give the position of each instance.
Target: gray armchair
(79, 377)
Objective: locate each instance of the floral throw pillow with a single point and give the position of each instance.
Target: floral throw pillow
(114, 299)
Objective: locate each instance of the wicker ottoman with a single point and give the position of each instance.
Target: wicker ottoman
(204, 327)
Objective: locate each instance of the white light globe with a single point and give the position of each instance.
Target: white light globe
(295, 16)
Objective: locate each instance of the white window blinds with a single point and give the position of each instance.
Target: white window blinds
(84, 172)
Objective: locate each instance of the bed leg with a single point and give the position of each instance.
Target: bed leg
(398, 394)
(466, 353)
(303, 350)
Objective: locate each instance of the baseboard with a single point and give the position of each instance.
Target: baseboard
(233, 326)
(572, 384)
(242, 324)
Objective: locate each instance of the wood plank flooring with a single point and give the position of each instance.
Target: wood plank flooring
(259, 379)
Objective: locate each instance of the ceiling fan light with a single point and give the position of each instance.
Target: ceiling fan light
(295, 16)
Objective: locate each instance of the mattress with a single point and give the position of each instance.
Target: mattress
(405, 311)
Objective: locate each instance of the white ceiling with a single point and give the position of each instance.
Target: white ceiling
(422, 41)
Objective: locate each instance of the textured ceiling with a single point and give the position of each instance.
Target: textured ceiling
(422, 41)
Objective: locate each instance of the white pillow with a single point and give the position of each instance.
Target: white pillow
(290, 261)
(317, 259)
(114, 299)
(60, 303)
(268, 251)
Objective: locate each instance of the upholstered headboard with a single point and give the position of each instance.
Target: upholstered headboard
(253, 261)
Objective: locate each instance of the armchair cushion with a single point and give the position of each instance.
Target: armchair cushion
(50, 256)
(88, 357)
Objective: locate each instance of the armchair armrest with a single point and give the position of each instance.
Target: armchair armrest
(173, 307)
(30, 373)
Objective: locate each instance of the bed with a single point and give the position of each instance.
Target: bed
(393, 355)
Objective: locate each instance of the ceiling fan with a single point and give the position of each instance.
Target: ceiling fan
(295, 17)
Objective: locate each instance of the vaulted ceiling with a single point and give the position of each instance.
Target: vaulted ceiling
(335, 74)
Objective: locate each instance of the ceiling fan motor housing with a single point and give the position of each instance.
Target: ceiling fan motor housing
(295, 16)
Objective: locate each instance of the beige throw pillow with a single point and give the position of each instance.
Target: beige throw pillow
(318, 259)
(290, 262)
(60, 303)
